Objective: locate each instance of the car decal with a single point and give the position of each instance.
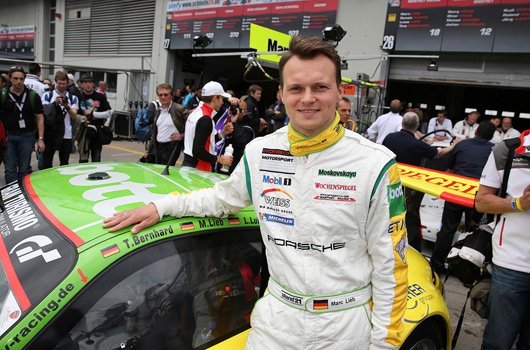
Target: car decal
(11, 275)
(78, 241)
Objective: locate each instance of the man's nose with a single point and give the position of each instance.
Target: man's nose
(308, 96)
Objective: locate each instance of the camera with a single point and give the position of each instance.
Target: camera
(64, 99)
(234, 110)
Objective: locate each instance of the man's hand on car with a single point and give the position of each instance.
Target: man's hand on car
(144, 216)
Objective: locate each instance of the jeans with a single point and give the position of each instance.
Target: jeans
(17, 158)
(508, 310)
(164, 151)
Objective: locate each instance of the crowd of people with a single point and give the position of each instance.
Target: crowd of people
(54, 117)
(204, 122)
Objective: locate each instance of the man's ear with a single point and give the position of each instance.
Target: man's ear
(341, 93)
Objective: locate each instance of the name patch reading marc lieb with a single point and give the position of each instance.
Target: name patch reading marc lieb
(277, 161)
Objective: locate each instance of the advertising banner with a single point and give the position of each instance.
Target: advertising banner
(17, 42)
(228, 22)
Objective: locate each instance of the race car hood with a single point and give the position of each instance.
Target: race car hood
(53, 215)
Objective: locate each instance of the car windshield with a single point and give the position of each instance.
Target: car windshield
(10, 311)
(190, 293)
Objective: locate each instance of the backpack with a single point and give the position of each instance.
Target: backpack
(3, 139)
(142, 125)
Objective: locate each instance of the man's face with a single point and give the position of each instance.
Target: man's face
(506, 123)
(440, 117)
(496, 122)
(102, 85)
(472, 118)
(310, 93)
(88, 86)
(60, 85)
(164, 96)
(256, 95)
(17, 79)
(217, 102)
(344, 111)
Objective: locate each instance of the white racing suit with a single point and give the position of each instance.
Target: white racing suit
(333, 223)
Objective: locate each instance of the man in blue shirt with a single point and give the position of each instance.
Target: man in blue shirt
(410, 150)
(467, 159)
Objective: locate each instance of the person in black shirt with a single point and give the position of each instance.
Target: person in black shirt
(95, 109)
(21, 114)
(410, 150)
(468, 158)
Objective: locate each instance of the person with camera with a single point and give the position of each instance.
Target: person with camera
(60, 111)
(201, 134)
(96, 110)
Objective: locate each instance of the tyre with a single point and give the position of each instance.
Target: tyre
(425, 337)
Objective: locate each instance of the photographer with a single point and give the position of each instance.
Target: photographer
(60, 112)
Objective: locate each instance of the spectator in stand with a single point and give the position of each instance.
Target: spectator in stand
(508, 303)
(410, 150)
(507, 131)
(275, 114)
(466, 129)
(254, 96)
(59, 137)
(33, 81)
(441, 122)
(201, 135)
(386, 123)
(344, 109)
(468, 158)
(168, 127)
(95, 111)
(21, 115)
(102, 88)
(72, 89)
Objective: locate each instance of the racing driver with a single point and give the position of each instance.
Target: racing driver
(331, 213)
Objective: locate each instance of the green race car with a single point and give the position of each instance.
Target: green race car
(187, 283)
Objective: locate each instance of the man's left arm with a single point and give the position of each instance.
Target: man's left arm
(387, 245)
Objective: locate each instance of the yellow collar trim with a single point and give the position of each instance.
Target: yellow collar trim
(301, 145)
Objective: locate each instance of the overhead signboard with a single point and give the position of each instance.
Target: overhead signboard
(17, 42)
(264, 40)
(228, 22)
(458, 26)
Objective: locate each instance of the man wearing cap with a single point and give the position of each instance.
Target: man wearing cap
(201, 135)
(96, 110)
(21, 114)
(333, 227)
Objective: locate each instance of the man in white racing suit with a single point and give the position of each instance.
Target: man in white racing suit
(331, 213)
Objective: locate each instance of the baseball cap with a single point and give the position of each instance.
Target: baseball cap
(86, 77)
(71, 76)
(213, 88)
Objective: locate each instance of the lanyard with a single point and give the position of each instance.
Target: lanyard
(19, 105)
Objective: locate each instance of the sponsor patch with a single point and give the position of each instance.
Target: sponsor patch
(280, 242)
(109, 251)
(400, 249)
(276, 218)
(334, 197)
(277, 180)
(337, 187)
(395, 199)
(277, 161)
(337, 173)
